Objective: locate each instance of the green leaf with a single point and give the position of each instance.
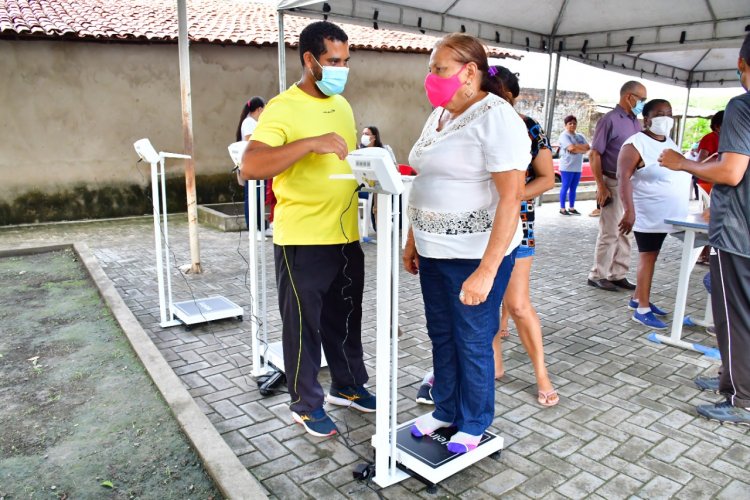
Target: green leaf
(107, 484)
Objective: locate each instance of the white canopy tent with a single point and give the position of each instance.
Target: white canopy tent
(689, 43)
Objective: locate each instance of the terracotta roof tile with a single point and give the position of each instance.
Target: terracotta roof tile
(233, 22)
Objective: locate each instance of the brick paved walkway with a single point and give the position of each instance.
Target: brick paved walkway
(625, 426)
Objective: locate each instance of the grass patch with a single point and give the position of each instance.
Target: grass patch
(81, 418)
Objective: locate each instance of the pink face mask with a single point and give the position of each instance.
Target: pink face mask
(441, 90)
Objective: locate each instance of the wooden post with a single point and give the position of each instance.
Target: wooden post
(187, 134)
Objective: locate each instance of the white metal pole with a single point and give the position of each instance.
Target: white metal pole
(383, 348)
(553, 95)
(165, 230)
(263, 277)
(394, 268)
(684, 119)
(546, 89)
(282, 53)
(258, 368)
(157, 242)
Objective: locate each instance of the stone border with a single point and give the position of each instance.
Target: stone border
(225, 469)
(211, 216)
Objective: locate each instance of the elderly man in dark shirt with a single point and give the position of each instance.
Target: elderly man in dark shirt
(612, 253)
(729, 235)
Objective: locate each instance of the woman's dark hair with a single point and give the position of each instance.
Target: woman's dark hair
(501, 81)
(650, 105)
(311, 39)
(570, 118)
(717, 120)
(250, 106)
(376, 133)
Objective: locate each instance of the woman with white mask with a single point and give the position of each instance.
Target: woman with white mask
(649, 195)
(371, 139)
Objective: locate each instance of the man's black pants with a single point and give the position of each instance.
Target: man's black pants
(730, 302)
(320, 300)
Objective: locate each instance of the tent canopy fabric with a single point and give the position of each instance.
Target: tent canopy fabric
(690, 43)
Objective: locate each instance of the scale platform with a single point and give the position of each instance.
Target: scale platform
(429, 457)
(275, 355)
(192, 312)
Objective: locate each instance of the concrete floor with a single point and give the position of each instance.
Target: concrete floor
(625, 426)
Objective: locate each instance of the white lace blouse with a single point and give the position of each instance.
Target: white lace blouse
(453, 199)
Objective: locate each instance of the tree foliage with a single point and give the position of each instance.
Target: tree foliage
(695, 129)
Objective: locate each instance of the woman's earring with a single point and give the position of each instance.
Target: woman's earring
(469, 92)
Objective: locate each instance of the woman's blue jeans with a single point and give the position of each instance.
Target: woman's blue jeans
(464, 387)
(568, 189)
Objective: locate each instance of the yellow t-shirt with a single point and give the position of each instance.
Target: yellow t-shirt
(311, 208)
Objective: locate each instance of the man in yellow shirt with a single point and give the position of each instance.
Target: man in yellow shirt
(302, 138)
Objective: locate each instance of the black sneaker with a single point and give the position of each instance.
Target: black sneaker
(357, 397)
(424, 395)
(316, 422)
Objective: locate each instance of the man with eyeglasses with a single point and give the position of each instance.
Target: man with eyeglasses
(612, 252)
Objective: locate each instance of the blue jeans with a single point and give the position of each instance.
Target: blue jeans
(569, 185)
(464, 387)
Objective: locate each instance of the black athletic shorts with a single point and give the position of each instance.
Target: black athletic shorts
(649, 242)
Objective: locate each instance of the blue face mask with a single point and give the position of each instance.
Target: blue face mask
(333, 80)
(638, 108)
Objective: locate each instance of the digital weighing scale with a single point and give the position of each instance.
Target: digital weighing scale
(267, 361)
(189, 312)
(398, 454)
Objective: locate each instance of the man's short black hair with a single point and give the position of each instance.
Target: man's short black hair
(745, 49)
(717, 120)
(312, 38)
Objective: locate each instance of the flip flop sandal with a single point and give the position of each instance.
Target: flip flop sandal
(550, 398)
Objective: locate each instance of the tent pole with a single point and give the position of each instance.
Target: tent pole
(683, 125)
(549, 103)
(282, 53)
(545, 106)
(187, 134)
(552, 97)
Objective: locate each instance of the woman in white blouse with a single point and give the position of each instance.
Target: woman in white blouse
(251, 111)
(471, 158)
(650, 194)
